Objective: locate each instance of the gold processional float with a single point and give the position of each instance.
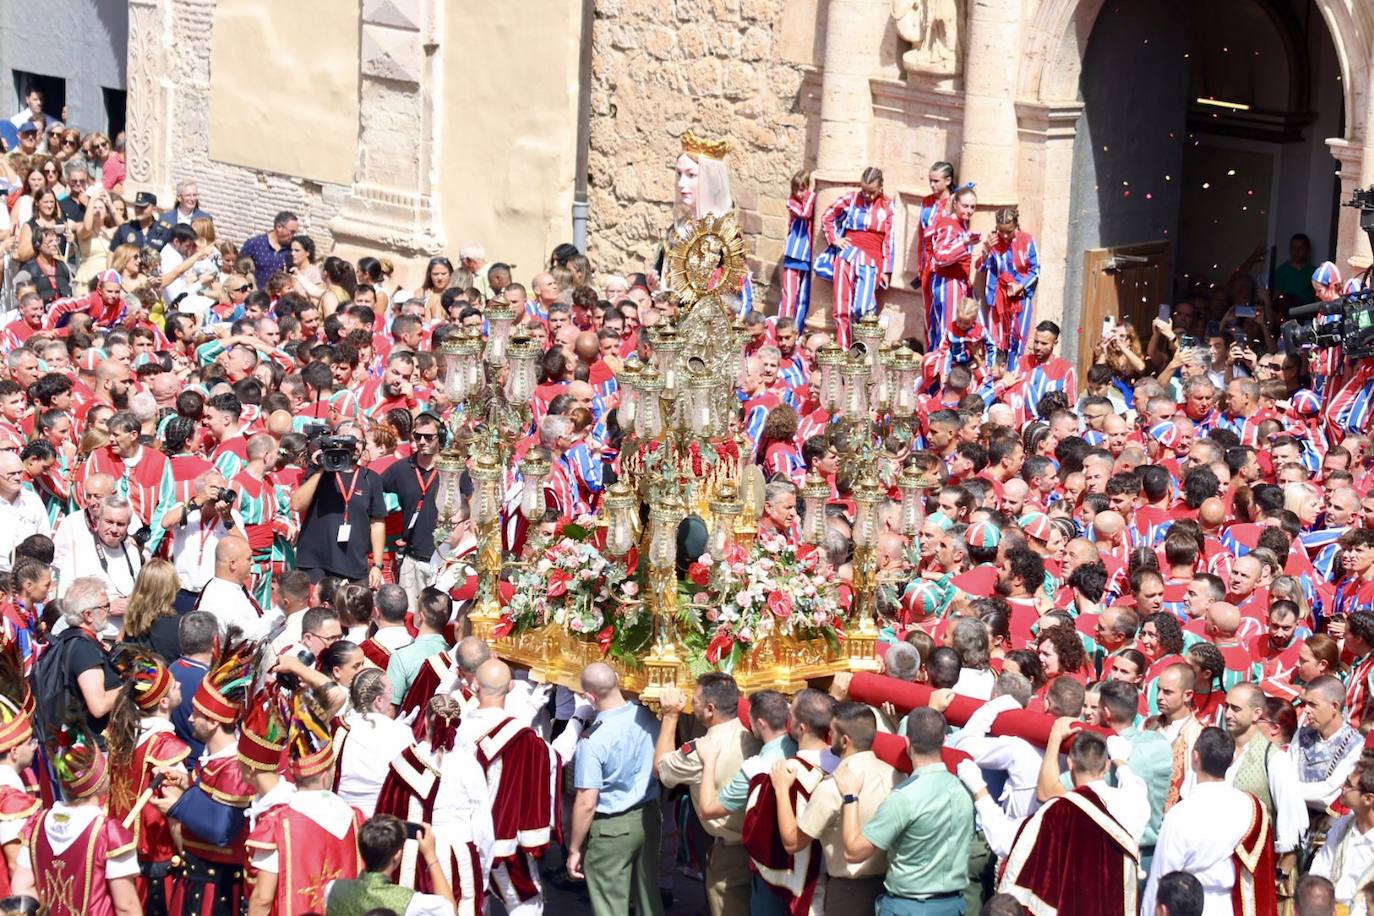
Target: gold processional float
(614, 588)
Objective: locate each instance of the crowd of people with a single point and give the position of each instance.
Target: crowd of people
(1127, 647)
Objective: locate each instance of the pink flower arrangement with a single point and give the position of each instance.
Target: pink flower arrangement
(775, 589)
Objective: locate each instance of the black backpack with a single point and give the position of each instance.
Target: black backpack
(55, 700)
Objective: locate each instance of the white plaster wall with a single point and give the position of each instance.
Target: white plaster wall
(83, 41)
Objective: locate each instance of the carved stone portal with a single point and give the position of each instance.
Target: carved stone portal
(932, 27)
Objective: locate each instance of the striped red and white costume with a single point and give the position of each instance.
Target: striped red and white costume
(858, 270)
(146, 482)
(795, 301)
(951, 274)
(1011, 262)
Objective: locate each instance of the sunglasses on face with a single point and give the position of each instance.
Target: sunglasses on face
(424, 437)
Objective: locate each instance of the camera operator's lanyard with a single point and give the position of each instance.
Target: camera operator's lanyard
(345, 530)
(425, 484)
(105, 564)
(205, 532)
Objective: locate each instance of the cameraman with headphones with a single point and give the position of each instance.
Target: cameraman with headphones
(414, 482)
(343, 514)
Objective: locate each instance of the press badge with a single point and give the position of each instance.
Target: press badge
(344, 530)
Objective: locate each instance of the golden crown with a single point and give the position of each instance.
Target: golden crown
(693, 145)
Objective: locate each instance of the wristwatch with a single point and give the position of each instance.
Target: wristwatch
(850, 799)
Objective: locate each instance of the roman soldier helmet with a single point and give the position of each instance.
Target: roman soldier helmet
(262, 734)
(309, 740)
(223, 693)
(16, 699)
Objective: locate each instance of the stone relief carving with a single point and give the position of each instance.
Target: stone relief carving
(932, 28)
(144, 122)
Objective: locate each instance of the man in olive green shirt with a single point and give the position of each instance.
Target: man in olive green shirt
(925, 826)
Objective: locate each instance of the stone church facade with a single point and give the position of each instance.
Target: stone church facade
(413, 126)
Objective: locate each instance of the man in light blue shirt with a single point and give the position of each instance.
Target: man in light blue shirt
(615, 815)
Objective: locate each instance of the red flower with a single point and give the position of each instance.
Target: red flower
(699, 574)
(719, 648)
(603, 639)
(780, 604)
(805, 552)
(558, 583)
(504, 627)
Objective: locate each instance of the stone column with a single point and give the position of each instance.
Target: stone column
(392, 204)
(1047, 131)
(853, 29)
(1355, 169)
(989, 154)
(152, 96)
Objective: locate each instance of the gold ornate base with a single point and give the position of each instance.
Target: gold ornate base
(554, 656)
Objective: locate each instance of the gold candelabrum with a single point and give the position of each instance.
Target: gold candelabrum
(682, 455)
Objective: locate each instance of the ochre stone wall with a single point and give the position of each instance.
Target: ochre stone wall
(661, 67)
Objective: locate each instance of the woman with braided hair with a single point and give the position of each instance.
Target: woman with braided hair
(141, 739)
(454, 804)
(30, 584)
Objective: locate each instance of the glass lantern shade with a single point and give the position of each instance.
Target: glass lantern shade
(622, 519)
(856, 378)
(869, 332)
(472, 359)
(649, 412)
(830, 358)
(667, 353)
(627, 384)
(663, 522)
(455, 377)
(500, 319)
(867, 494)
(904, 371)
(910, 484)
(486, 476)
(450, 495)
(534, 470)
(701, 396)
(814, 494)
(882, 382)
(523, 355)
(725, 512)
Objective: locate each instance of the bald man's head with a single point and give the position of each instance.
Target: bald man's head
(472, 653)
(99, 484)
(1212, 513)
(1224, 618)
(108, 370)
(587, 347)
(279, 423)
(1108, 524)
(493, 678)
(599, 679)
(1016, 488)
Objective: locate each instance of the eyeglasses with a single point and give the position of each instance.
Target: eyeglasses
(102, 607)
(69, 143)
(424, 437)
(239, 289)
(327, 640)
(100, 147)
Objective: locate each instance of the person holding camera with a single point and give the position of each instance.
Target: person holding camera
(197, 526)
(343, 514)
